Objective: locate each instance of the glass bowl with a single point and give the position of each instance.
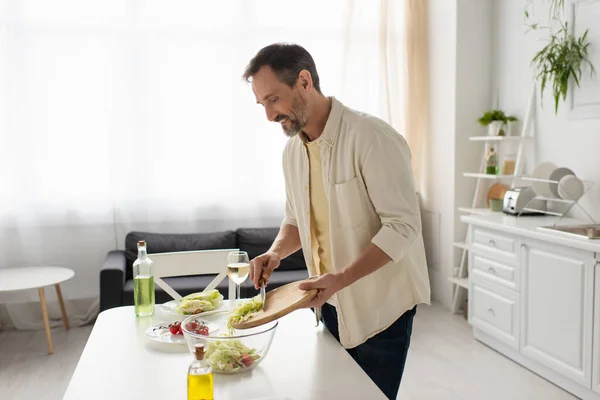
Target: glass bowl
(241, 352)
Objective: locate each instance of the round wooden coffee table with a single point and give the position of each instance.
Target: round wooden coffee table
(15, 279)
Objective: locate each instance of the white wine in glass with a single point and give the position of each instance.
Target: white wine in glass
(238, 268)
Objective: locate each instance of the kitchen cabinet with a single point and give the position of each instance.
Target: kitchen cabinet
(534, 296)
(596, 344)
(557, 309)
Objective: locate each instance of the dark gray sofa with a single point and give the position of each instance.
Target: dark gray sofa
(116, 280)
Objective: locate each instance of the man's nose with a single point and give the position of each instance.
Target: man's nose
(271, 114)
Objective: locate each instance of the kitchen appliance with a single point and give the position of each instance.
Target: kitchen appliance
(518, 198)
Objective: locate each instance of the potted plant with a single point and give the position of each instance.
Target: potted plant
(562, 59)
(496, 121)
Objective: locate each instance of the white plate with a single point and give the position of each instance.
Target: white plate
(543, 171)
(170, 309)
(557, 175)
(160, 333)
(570, 188)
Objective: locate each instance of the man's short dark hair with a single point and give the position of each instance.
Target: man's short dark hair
(286, 61)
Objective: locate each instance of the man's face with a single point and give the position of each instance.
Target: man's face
(282, 103)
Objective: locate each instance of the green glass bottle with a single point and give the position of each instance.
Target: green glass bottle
(143, 282)
(491, 163)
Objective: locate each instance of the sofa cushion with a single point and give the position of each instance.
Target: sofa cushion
(183, 285)
(256, 241)
(170, 242)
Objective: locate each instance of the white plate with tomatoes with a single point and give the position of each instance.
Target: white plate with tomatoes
(173, 334)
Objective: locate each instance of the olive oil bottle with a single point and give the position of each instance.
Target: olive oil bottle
(200, 377)
(143, 283)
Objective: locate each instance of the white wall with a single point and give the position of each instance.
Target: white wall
(438, 195)
(460, 77)
(566, 142)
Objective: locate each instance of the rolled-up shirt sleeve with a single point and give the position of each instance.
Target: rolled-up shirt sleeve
(388, 176)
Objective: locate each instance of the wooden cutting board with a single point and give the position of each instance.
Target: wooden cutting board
(279, 302)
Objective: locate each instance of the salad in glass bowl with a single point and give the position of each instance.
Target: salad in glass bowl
(230, 352)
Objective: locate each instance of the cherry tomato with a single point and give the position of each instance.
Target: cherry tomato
(203, 330)
(247, 360)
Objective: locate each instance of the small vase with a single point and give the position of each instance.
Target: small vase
(496, 128)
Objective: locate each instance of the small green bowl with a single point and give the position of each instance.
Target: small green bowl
(496, 204)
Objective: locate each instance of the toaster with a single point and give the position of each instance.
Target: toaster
(518, 198)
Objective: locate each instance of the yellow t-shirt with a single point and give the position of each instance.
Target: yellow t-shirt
(319, 213)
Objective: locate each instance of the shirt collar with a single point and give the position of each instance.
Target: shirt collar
(332, 126)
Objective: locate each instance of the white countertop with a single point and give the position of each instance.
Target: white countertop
(528, 226)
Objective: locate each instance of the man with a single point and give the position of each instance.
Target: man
(352, 208)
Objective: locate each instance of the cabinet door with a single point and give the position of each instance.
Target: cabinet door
(596, 367)
(557, 309)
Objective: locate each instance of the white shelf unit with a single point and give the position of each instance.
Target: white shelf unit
(460, 279)
(461, 282)
(483, 175)
(497, 138)
(461, 245)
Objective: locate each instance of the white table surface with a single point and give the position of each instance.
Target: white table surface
(304, 362)
(12, 279)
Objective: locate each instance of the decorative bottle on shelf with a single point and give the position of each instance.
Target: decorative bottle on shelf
(143, 282)
(200, 384)
(491, 162)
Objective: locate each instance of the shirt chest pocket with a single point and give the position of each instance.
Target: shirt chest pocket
(349, 207)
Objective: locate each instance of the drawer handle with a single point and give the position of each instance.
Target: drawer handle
(492, 270)
(492, 243)
(491, 311)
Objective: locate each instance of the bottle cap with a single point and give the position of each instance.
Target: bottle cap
(142, 243)
(199, 350)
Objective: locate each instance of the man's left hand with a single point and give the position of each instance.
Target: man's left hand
(326, 285)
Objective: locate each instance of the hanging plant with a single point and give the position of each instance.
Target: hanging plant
(562, 59)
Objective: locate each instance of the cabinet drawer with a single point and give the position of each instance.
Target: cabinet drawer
(495, 313)
(494, 271)
(494, 242)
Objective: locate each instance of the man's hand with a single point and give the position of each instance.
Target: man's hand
(327, 285)
(262, 267)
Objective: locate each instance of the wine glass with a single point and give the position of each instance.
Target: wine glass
(238, 268)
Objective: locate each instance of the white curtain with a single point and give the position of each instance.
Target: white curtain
(118, 115)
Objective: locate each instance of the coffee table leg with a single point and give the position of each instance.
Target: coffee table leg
(62, 306)
(46, 322)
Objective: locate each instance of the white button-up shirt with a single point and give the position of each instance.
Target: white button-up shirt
(369, 183)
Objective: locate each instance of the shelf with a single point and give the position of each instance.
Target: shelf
(476, 211)
(461, 245)
(486, 176)
(462, 282)
(496, 138)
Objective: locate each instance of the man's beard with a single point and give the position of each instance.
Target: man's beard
(298, 118)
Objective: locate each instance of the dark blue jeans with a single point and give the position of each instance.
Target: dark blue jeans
(383, 356)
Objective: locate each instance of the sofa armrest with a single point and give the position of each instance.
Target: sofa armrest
(112, 279)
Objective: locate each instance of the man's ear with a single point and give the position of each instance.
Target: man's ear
(305, 80)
